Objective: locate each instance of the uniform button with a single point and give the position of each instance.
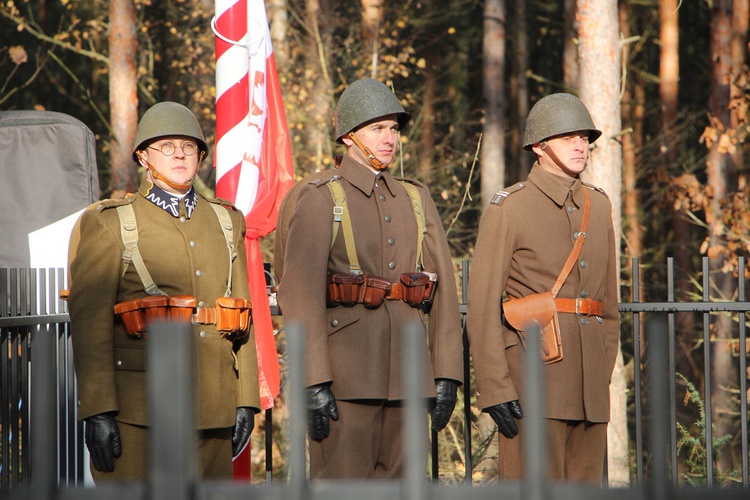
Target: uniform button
(334, 323)
(388, 218)
(391, 241)
(391, 265)
(182, 219)
(203, 334)
(570, 209)
(119, 362)
(382, 197)
(199, 273)
(193, 244)
(584, 293)
(583, 321)
(583, 263)
(201, 304)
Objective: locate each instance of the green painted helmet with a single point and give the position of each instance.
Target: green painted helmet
(363, 101)
(168, 118)
(557, 114)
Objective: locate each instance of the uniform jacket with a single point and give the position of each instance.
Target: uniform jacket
(358, 350)
(523, 243)
(185, 256)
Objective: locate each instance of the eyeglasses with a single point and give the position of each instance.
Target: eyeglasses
(168, 148)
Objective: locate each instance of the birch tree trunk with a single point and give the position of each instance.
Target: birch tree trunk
(123, 97)
(493, 142)
(599, 55)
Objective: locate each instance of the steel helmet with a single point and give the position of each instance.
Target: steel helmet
(366, 100)
(168, 118)
(557, 114)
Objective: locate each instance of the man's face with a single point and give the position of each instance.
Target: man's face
(379, 136)
(180, 167)
(572, 149)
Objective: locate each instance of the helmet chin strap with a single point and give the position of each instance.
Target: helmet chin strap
(174, 185)
(548, 149)
(376, 164)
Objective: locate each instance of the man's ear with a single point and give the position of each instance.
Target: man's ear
(347, 140)
(141, 155)
(538, 148)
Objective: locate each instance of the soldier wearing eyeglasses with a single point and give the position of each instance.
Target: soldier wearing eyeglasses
(192, 249)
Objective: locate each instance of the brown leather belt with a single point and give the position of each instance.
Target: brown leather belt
(396, 292)
(204, 316)
(581, 307)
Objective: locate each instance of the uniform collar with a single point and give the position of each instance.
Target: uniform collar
(556, 188)
(363, 178)
(168, 202)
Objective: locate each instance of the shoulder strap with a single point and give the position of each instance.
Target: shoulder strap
(341, 216)
(129, 233)
(225, 221)
(580, 238)
(416, 205)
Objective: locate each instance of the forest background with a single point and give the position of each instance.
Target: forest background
(667, 82)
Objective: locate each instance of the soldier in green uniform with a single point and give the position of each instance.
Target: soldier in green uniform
(188, 258)
(358, 264)
(526, 235)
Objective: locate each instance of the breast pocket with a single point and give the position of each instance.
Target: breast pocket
(341, 317)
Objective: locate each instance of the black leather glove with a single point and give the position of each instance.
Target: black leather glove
(243, 427)
(321, 405)
(103, 441)
(444, 403)
(505, 415)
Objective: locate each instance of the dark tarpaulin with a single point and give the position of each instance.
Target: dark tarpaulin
(47, 172)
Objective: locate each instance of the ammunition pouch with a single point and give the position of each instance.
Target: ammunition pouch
(415, 289)
(131, 313)
(231, 315)
(344, 289)
(418, 288)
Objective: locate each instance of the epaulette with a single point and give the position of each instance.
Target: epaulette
(410, 181)
(114, 203)
(500, 196)
(323, 177)
(595, 188)
(222, 202)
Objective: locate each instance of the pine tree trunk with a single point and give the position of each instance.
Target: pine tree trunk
(493, 142)
(123, 98)
(721, 181)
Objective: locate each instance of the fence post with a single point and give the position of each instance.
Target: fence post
(170, 394)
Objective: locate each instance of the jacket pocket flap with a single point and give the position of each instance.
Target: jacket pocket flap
(341, 317)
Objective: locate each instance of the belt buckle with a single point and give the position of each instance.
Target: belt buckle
(588, 308)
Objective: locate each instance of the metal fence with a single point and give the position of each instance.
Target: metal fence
(31, 315)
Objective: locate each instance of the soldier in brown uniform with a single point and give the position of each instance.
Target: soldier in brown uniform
(186, 253)
(354, 351)
(525, 237)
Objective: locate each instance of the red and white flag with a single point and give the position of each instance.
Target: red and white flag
(254, 168)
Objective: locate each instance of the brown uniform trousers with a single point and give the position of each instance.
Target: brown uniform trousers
(525, 237)
(355, 349)
(185, 256)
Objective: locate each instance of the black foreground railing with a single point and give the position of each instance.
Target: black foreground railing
(30, 314)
